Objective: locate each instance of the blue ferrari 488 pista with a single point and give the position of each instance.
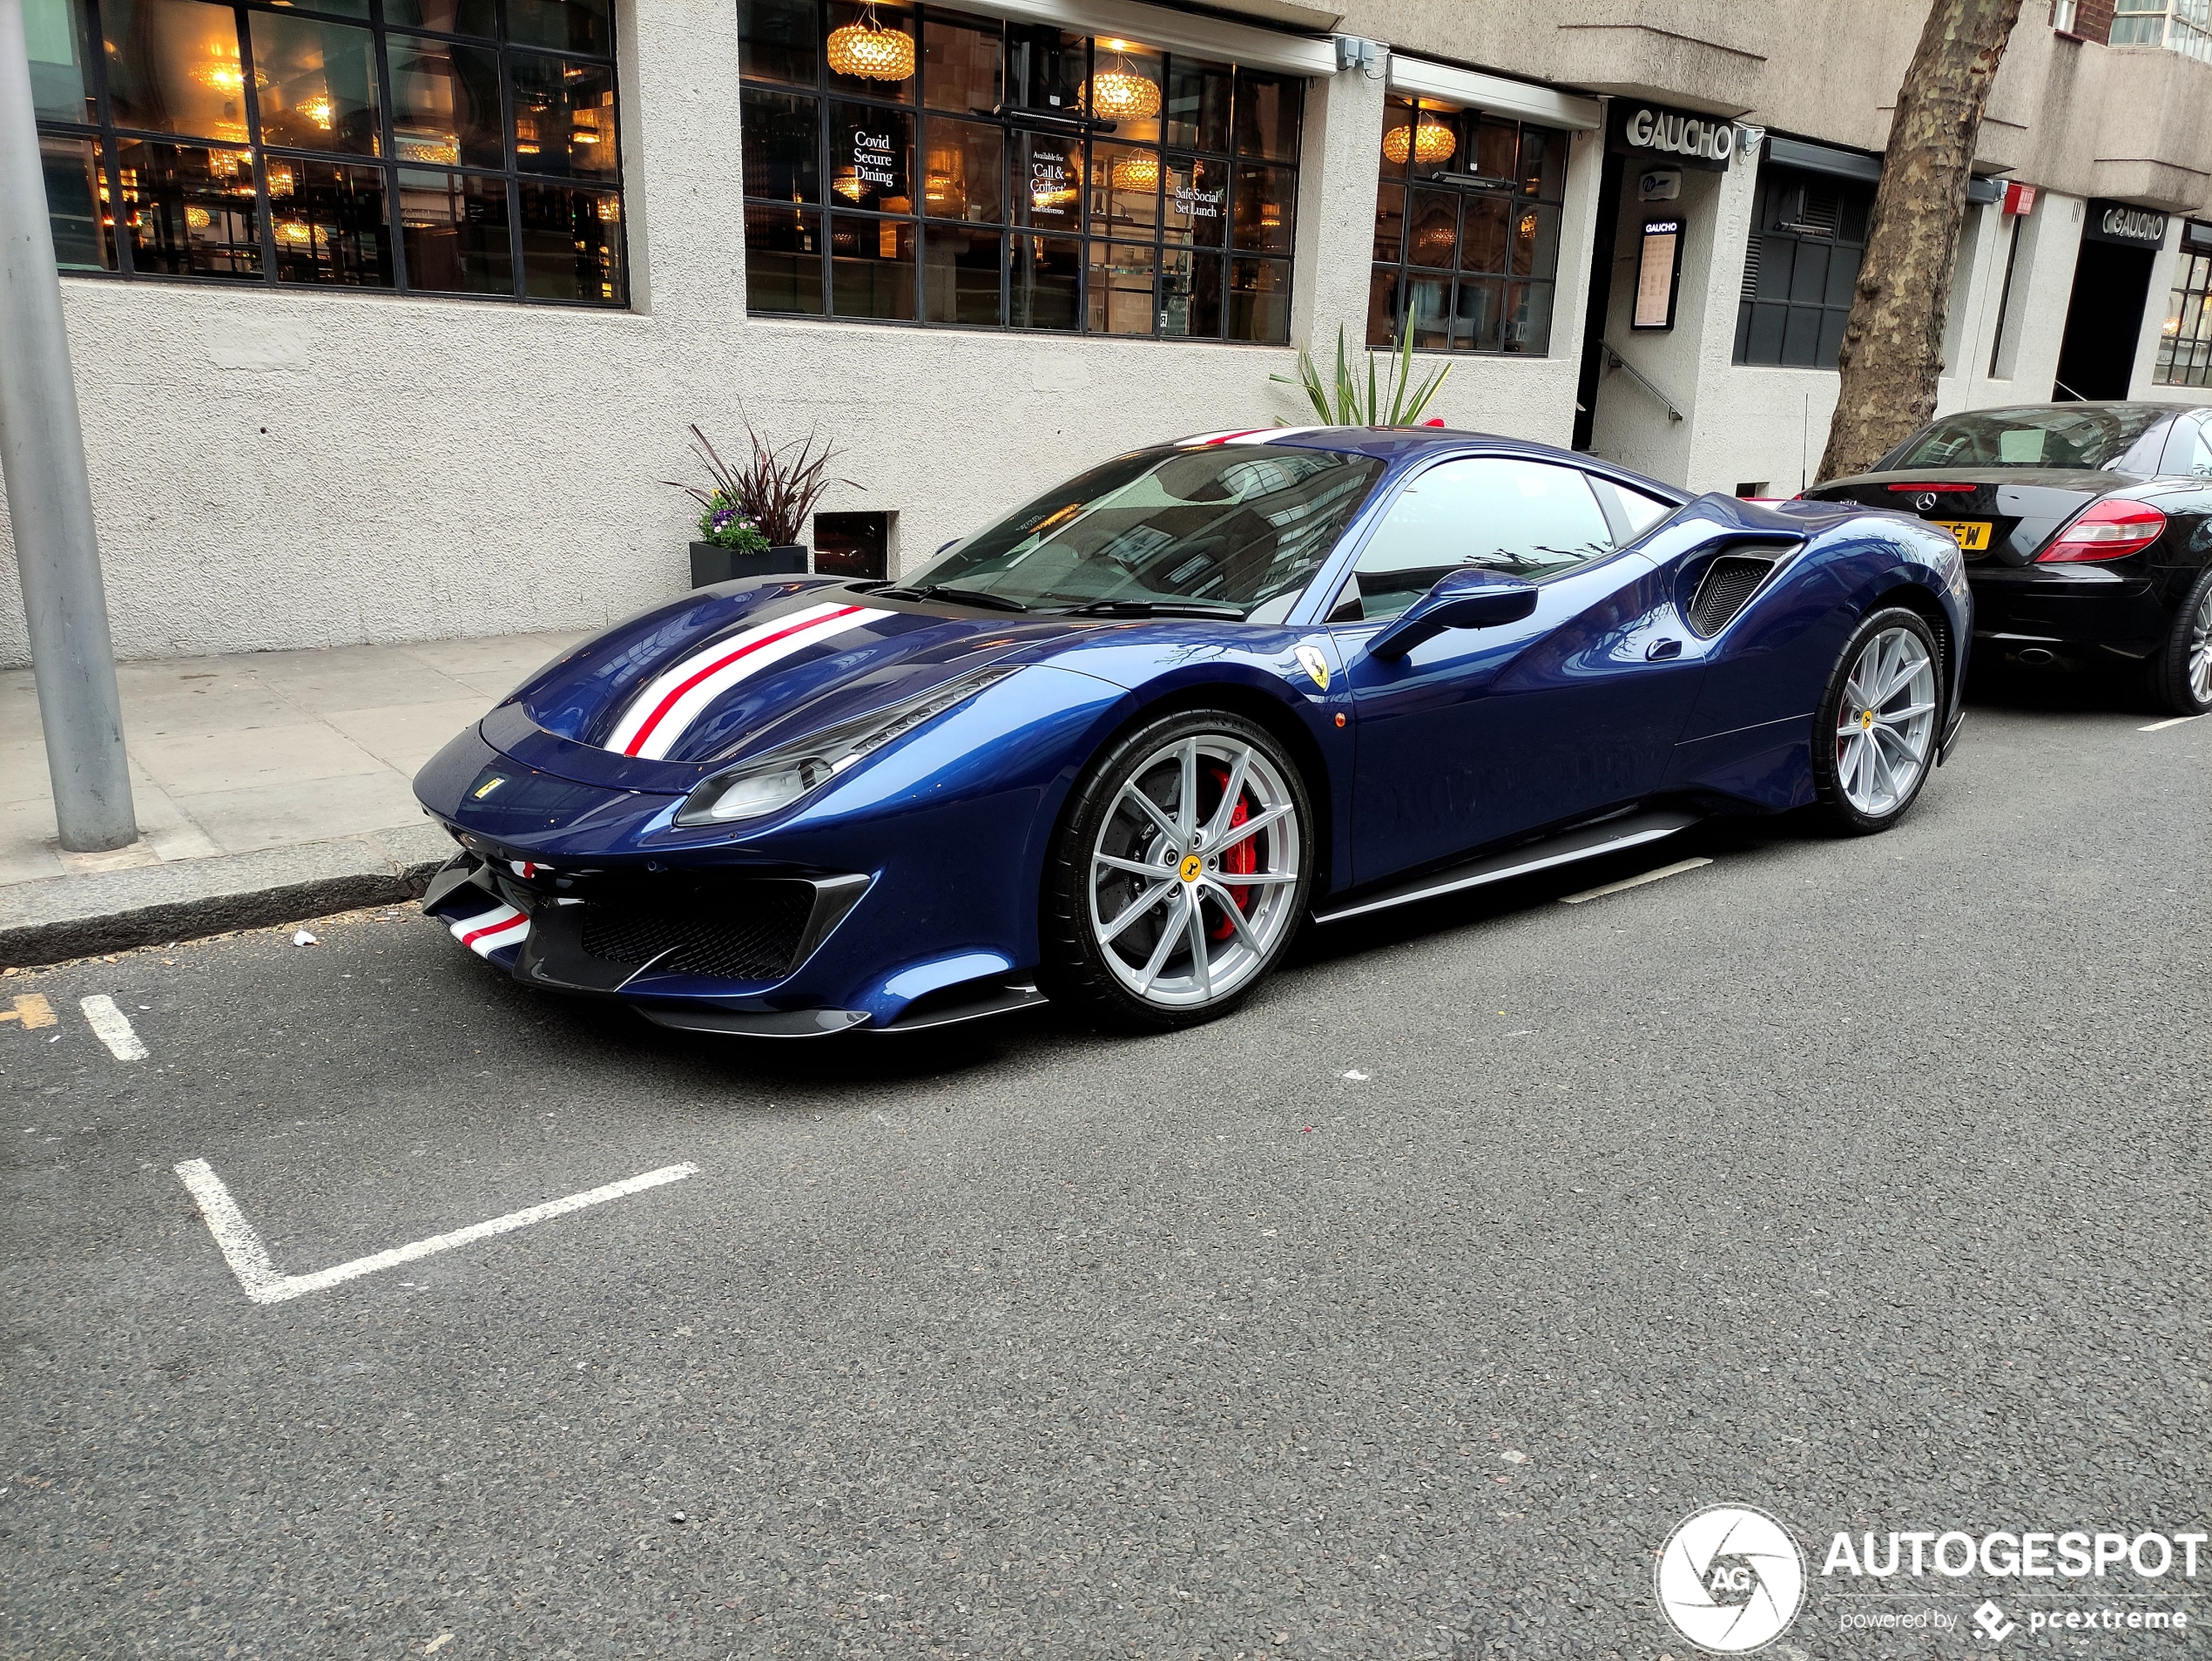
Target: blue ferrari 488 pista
(1118, 746)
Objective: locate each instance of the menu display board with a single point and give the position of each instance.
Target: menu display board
(1658, 274)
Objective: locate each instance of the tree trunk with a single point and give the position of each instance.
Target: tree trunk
(1892, 349)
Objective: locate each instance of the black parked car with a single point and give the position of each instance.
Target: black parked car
(2088, 532)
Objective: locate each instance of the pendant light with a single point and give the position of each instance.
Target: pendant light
(1119, 93)
(870, 50)
(1423, 139)
(1140, 172)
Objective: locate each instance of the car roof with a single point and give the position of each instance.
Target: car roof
(2144, 406)
(1400, 444)
(1388, 442)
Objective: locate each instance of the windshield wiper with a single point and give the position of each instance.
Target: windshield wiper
(1157, 609)
(958, 596)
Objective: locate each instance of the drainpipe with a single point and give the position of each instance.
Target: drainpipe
(50, 499)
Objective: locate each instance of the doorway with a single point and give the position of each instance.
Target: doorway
(1600, 304)
(2104, 321)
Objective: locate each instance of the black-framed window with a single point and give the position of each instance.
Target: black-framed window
(2185, 340)
(1019, 177)
(1800, 263)
(463, 147)
(1466, 231)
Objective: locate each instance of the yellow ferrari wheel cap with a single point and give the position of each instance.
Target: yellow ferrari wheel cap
(1191, 865)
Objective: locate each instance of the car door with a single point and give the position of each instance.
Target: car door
(1476, 736)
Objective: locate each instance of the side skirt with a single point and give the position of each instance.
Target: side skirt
(1587, 842)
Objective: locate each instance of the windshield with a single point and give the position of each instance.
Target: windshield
(2079, 437)
(1221, 528)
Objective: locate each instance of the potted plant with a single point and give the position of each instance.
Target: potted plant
(1388, 399)
(750, 516)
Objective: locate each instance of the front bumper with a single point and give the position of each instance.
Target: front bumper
(2069, 611)
(717, 953)
(903, 895)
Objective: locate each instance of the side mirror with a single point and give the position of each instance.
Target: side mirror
(1464, 599)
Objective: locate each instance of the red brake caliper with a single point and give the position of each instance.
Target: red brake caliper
(1243, 857)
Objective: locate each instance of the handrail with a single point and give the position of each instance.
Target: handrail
(1616, 361)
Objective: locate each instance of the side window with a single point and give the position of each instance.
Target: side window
(1528, 518)
(2201, 464)
(1634, 510)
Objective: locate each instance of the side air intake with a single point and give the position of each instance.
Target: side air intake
(1728, 582)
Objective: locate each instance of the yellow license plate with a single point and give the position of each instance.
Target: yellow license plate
(1973, 534)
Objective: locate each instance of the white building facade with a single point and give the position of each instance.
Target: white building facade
(388, 317)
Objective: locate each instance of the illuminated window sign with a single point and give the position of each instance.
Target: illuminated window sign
(1658, 274)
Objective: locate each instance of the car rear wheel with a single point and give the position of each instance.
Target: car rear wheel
(1874, 739)
(1181, 872)
(2180, 671)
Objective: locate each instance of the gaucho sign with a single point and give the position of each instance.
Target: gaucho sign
(2134, 227)
(1650, 131)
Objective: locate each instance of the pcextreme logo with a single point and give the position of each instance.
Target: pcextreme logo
(1730, 1579)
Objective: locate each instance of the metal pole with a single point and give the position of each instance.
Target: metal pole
(49, 500)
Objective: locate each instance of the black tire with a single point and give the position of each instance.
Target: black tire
(2177, 676)
(1834, 789)
(1074, 969)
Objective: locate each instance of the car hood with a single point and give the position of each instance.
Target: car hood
(658, 702)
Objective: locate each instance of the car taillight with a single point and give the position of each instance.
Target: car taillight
(2107, 529)
(1947, 489)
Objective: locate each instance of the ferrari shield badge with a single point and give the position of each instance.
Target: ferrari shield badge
(1315, 664)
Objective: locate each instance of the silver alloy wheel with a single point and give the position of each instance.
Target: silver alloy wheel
(1886, 725)
(2201, 651)
(1195, 871)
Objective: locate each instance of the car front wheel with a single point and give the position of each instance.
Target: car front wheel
(1180, 873)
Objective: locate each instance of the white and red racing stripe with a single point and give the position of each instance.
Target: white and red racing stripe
(488, 931)
(673, 699)
(1243, 435)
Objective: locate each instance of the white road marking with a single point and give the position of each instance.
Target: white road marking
(1676, 869)
(113, 1027)
(2160, 726)
(258, 1276)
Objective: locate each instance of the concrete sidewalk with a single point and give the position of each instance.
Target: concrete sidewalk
(263, 781)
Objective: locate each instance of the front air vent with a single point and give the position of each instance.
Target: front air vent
(1728, 582)
(755, 936)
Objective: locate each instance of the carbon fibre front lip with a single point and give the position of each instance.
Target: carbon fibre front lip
(743, 1023)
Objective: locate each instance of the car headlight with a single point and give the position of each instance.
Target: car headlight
(772, 782)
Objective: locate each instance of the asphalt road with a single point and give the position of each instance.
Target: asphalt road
(1404, 1314)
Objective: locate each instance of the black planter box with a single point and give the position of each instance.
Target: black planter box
(712, 564)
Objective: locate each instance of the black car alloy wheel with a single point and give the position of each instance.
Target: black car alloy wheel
(2180, 671)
